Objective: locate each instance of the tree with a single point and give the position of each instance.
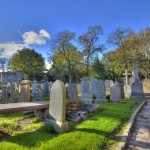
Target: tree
(118, 36)
(28, 61)
(3, 63)
(90, 42)
(60, 67)
(99, 69)
(63, 51)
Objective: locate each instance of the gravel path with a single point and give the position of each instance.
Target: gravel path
(140, 136)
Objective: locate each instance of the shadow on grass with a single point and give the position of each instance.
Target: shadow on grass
(33, 139)
(99, 132)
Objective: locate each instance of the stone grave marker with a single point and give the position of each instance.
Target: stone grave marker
(79, 89)
(137, 86)
(24, 91)
(5, 93)
(45, 87)
(146, 86)
(115, 93)
(73, 92)
(67, 90)
(86, 94)
(137, 90)
(98, 90)
(38, 95)
(57, 107)
(127, 87)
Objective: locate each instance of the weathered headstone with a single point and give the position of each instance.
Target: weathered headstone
(137, 90)
(5, 93)
(146, 86)
(33, 87)
(67, 90)
(73, 92)
(137, 87)
(38, 94)
(127, 88)
(12, 94)
(45, 87)
(50, 85)
(86, 94)
(24, 91)
(79, 89)
(115, 93)
(98, 90)
(57, 107)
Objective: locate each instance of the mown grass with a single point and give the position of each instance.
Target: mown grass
(95, 133)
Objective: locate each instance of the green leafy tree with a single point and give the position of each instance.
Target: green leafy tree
(64, 53)
(99, 69)
(28, 61)
(90, 42)
(60, 67)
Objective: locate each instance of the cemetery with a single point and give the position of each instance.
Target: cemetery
(51, 115)
(74, 75)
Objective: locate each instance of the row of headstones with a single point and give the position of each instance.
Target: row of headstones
(57, 104)
(24, 91)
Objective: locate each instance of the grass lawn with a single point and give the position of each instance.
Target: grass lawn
(93, 134)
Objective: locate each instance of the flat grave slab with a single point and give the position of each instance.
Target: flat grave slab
(23, 106)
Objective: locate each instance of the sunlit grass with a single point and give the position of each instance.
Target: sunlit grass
(94, 133)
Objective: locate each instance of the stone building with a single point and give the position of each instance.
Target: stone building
(11, 77)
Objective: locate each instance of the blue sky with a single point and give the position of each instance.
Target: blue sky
(33, 23)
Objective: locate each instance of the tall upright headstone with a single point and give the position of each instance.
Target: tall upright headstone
(45, 87)
(24, 91)
(115, 95)
(50, 85)
(38, 95)
(5, 93)
(67, 90)
(137, 87)
(86, 93)
(127, 88)
(12, 93)
(73, 92)
(98, 89)
(57, 107)
(146, 86)
(79, 89)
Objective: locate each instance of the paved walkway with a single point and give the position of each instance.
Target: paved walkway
(140, 137)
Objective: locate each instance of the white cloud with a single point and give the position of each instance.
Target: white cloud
(48, 65)
(8, 49)
(32, 37)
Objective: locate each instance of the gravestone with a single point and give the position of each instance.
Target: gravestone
(132, 80)
(146, 86)
(79, 89)
(45, 88)
(73, 92)
(115, 93)
(127, 87)
(67, 90)
(137, 87)
(137, 90)
(12, 94)
(24, 91)
(57, 107)
(50, 85)
(98, 90)
(108, 84)
(33, 87)
(86, 94)
(5, 93)
(38, 95)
